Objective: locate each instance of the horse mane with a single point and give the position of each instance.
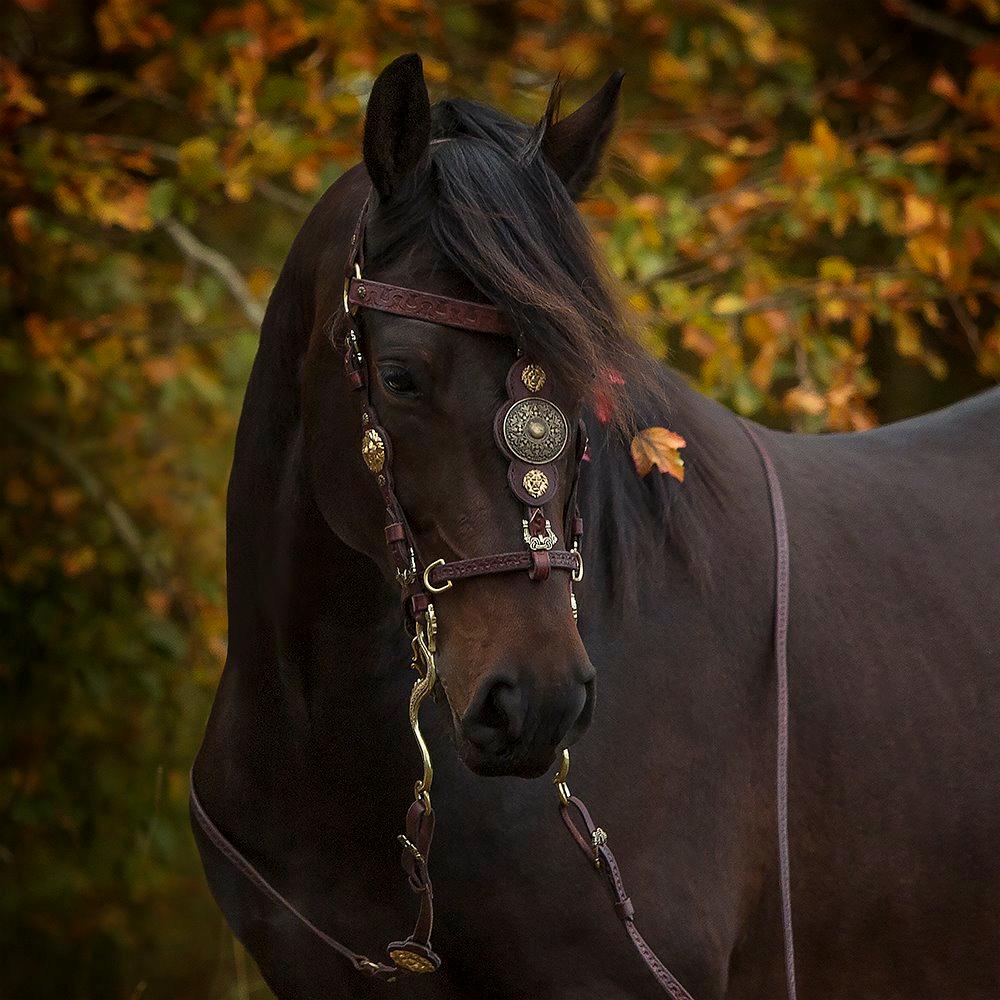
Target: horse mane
(498, 216)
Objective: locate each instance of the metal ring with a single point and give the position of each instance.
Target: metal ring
(347, 285)
(427, 578)
(578, 572)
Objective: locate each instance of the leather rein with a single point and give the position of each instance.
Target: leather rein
(533, 434)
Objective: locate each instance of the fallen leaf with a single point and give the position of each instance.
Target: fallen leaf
(656, 446)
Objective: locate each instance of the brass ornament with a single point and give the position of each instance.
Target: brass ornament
(535, 431)
(535, 482)
(373, 450)
(410, 960)
(533, 377)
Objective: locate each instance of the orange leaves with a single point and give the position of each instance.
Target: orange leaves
(131, 24)
(657, 447)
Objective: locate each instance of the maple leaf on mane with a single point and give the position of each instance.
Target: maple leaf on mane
(659, 447)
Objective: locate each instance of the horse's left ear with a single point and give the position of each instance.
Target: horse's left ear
(574, 145)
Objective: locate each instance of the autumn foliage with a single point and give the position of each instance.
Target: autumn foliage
(803, 205)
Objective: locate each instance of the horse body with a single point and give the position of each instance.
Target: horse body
(895, 624)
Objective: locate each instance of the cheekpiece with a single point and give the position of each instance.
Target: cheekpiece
(535, 430)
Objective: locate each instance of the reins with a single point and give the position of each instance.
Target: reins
(532, 433)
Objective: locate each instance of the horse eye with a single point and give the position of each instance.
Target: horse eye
(397, 380)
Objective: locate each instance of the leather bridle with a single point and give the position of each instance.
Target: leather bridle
(533, 435)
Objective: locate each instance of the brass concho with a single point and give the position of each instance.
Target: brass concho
(533, 377)
(410, 960)
(535, 430)
(373, 450)
(535, 482)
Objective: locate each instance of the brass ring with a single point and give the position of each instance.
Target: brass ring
(427, 578)
(578, 572)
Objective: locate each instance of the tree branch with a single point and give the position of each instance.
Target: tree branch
(194, 249)
(931, 20)
(125, 528)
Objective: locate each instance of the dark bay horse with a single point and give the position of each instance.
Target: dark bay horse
(894, 644)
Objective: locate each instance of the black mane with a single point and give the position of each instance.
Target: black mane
(497, 214)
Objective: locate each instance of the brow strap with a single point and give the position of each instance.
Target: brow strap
(426, 306)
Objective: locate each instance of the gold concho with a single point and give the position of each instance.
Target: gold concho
(535, 482)
(373, 450)
(410, 960)
(533, 376)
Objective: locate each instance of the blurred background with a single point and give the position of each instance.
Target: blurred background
(803, 202)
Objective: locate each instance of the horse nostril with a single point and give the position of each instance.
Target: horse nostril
(496, 715)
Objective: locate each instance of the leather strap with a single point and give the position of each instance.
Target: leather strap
(782, 576)
(254, 877)
(503, 562)
(426, 306)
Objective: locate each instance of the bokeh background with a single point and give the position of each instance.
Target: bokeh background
(803, 202)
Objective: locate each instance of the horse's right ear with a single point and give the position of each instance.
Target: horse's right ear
(397, 123)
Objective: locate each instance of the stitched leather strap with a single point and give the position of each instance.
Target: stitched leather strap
(782, 578)
(504, 562)
(413, 304)
(254, 877)
(595, 846)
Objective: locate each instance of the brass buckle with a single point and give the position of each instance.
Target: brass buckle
(578, 570)
(427, 578)
(560, 779)
(347, 285)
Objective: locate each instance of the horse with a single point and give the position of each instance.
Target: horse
(892, 641)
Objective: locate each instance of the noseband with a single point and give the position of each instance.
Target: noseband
(532, 433)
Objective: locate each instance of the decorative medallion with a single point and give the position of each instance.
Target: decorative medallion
(373, 450)
(535, 430)
(533, 377)
(410, 960)
(535, 482)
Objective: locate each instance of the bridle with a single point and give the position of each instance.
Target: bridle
(533, 434)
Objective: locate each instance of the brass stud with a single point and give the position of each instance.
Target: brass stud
(373, 450)
(362, 291)
(536, 483)
(533, 377)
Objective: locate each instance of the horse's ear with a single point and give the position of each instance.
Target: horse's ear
(397, 123)
(574, 145)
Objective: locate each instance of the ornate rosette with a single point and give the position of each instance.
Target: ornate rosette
(535, 431)
(373, 450)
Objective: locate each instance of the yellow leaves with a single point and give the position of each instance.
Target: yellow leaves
(657, 447)
(804, 399)
(198, 161)
(918, 213)
(836, 270)
(729, 304)
(78, 561)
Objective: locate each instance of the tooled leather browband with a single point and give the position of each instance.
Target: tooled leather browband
(426, 306)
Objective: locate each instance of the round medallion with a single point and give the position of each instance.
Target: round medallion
(410, 960)
(533, 377)
(535, 431)
(373, 450)
(535, 482)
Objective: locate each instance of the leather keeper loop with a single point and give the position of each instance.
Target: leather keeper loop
(395, 532)
(541, 566)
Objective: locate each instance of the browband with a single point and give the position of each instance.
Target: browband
(426, 306)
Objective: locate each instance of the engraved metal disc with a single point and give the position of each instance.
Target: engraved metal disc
(373, 450)
(535, 430)
(410, 960)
